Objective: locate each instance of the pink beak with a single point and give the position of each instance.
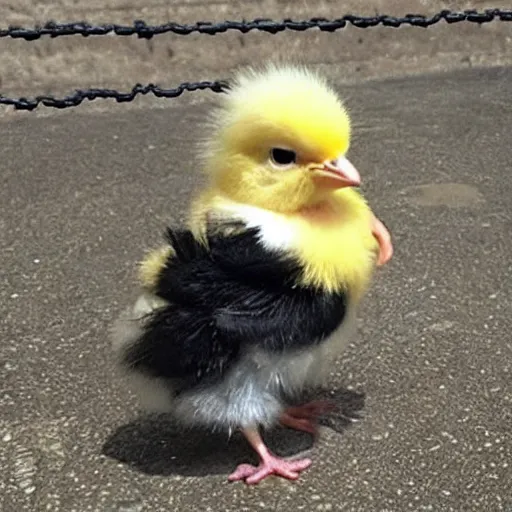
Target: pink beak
(344, 171)
(338, 173)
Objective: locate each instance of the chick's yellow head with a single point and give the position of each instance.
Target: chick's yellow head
(278, 138)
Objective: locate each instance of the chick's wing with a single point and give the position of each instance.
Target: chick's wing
(224, 297)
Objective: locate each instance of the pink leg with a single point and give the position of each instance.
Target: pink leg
(270, 464)
(304, 417)
(311, 409)
(303, 424)
(383, 236)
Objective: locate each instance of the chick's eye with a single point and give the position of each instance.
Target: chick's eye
(281, 156)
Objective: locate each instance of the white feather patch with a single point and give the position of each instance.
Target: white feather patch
(276, 232)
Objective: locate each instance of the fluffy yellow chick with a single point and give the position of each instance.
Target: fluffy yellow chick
(246, 308)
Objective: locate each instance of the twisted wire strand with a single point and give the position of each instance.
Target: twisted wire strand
(145, 31)
(79, 96)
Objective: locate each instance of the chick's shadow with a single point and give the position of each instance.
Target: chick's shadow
(155, 445)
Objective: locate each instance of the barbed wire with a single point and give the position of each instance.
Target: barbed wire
(79, 96)
(145, 31)
(142, 30)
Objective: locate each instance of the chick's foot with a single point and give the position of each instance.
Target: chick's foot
(270, 464)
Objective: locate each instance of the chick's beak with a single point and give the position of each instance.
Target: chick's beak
(337, 173)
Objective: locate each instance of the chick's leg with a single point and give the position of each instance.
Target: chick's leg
(305, 417)
(270, 464)
(302, 424)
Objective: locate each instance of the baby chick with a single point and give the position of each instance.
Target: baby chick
(246, 307)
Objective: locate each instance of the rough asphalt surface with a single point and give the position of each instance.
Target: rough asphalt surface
(427, 380)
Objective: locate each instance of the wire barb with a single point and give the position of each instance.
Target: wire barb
(145, 31)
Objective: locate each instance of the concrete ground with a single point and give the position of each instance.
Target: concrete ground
(427, 379)
(425, 387)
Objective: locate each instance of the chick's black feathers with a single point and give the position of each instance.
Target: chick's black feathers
(227, 295)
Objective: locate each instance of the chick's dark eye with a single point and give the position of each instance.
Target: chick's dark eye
(283, 156)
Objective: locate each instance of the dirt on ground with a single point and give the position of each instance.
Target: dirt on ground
(62, 64)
